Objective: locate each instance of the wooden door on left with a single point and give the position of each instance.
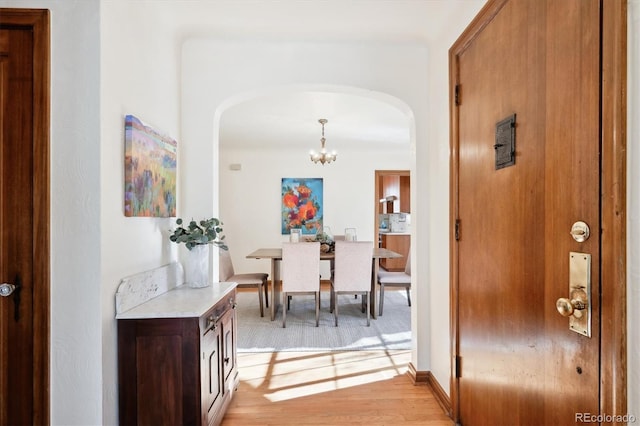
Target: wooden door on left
(24, 216)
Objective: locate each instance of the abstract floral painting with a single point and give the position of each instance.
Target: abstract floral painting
(149, 171)
(302, 205)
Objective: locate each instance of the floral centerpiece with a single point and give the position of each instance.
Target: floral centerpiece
(327, 244)
(208, 231)
(197, 236)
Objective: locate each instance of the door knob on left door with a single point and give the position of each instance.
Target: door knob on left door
(6, 289)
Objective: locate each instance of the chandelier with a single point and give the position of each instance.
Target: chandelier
(323, 156)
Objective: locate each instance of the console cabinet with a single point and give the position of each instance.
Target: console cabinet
(178, 370)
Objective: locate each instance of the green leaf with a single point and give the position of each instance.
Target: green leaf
(206, 231)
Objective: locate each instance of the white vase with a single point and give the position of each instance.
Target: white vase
(196, 266)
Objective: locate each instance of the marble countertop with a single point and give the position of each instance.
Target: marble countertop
(180, 302)
(394, 233)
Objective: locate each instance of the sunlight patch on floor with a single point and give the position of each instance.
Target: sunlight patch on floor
(278, 374)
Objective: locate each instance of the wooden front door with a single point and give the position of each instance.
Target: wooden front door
(24, 217)
(532, 68)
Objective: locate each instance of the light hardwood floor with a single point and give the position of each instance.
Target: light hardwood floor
(331, 389)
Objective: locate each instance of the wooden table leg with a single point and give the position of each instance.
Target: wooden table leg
(372, 294)
(275, 288)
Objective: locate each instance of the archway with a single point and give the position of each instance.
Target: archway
(251, 150)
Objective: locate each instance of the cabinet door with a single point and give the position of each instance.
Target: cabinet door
(212, 375)
(399, 244)
(405, 194)
(229, 348)
(391, 187)
(158, 371)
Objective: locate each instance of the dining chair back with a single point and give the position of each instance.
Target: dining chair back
(300, 273)
(395, 279)
(352, 274)
(249, 279)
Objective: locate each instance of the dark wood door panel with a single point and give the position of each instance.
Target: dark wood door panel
(501, 213)
(572, 193)
(518, 361)
(24, 215)
(16, 223)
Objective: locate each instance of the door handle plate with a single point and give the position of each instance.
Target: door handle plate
(580, 292)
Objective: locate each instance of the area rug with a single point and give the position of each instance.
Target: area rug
(259, 334)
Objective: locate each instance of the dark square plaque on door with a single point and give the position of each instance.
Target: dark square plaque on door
(505, 146)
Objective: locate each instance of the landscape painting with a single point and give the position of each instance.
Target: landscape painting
(302, 205)
(149, 171)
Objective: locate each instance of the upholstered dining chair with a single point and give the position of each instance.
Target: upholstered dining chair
(332, 262)
(300, 274)
(395, 279)
(248, 279)
(352, 275)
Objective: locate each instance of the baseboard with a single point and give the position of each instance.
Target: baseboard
(418, 376)
(425, 377)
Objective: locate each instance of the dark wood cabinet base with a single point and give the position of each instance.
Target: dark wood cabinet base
(178, 370)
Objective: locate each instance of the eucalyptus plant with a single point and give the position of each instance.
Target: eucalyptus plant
(208, 231)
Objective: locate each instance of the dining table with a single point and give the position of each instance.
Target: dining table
(275, 256)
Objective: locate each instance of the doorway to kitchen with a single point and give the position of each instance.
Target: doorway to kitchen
(392, 212)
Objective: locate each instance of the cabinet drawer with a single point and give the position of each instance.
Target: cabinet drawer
(212, 318)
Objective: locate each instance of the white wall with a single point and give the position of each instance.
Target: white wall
(140, 74)
(75, 214)
(633, 206)
(433, 179)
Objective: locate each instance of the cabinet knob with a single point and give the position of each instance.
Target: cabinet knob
(212, 322)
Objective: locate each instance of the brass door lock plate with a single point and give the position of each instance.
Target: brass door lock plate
(578, 306)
